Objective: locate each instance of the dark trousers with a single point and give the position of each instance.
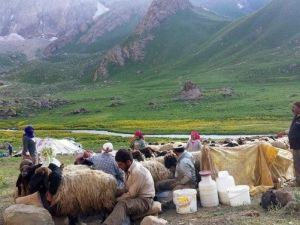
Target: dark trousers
(296, 157)
(128, 207)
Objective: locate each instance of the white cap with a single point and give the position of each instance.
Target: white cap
(108, 147)
(178, 145)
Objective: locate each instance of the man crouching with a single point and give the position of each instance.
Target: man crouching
(137, 196)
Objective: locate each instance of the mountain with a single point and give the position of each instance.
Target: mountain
(57, 23)
(272, 32)
(247, 72)
(175, 21)
(231, 8)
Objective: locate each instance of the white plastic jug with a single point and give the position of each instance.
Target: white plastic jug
(185, 201)
(208, 190)
(224, 181)
(239, 195)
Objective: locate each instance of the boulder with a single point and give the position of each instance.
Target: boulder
(153, 220)
(21, 214)
(190, 91)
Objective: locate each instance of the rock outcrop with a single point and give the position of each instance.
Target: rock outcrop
(190, 91)
(133, 50)
(18, 106)
(159, 11)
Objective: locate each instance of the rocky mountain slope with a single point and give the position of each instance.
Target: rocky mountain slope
(134, 48)
(56, 23)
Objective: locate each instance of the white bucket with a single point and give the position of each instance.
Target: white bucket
(224, 181)
(185, 201)
(239, 195)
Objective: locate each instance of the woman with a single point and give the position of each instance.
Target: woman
(138, 142)
(194, 143)
(29, 148)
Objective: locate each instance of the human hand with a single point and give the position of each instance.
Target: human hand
(49, 197)
(120, 191)
(280, 134)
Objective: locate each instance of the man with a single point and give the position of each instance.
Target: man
(294, 139)
(137, 196)
(29, 145)
(105, 162)
(9, 149)
(185, 176)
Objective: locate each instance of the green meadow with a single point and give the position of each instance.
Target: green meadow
(191, 45)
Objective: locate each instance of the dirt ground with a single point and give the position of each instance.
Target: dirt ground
(221, 215)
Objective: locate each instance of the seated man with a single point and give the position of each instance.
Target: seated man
(105, 162)
(185, 176)
(137, 196)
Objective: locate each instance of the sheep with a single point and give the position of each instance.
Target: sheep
(81, 191)
(137, 155)
(74, 168)
(275, 199)
(158, 171)
(85, 190)
(148, 153)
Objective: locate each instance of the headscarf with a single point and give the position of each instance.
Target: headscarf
(108, 147)
(139, 134)
(29, 132)
(195, 135)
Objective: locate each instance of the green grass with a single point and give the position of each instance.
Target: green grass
(188, 46)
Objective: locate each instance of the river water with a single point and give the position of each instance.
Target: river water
(174, 136)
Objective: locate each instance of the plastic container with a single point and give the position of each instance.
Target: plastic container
(185, 201)
(239, 195)
(208, 190)
(224, 181)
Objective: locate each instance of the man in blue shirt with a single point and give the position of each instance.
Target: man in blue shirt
(105, 162)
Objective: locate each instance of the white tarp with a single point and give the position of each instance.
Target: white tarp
(60, 146)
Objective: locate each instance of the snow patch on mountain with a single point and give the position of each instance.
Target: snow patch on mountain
(12, 37)
(101, 9)
(240, 6)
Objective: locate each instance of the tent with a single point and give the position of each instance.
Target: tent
(60, 146)
(259, 165)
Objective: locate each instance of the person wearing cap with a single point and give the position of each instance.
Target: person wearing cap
(138, 142)
(29, 145)
(105, 162)
(185, 174)
(137, 196)
(194, 143)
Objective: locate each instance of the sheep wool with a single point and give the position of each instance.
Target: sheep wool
(158, 171)
(73, 168)
(83, 191)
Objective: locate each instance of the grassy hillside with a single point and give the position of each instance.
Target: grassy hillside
(254, 57)
(271, 32)
(231, 8)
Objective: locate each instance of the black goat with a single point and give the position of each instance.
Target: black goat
(27, 170)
